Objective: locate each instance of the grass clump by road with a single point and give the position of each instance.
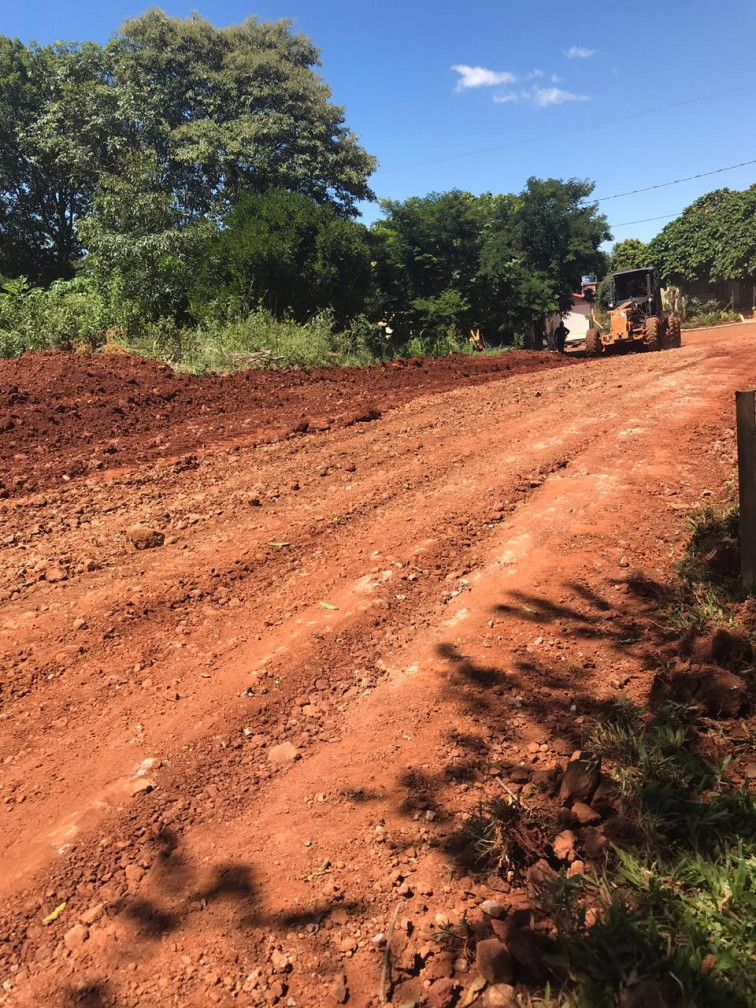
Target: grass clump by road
(699, 315)
(707, 594)
(670, 920)
(506, 834)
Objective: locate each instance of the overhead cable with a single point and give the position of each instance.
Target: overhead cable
(663, 185)
(566, 132)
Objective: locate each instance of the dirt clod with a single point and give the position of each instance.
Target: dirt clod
(584, 814)
(564, 846)
(142, 785)
(442, 993)
(499, 996)
(75, 937)
(338, 991)
(143, 537)
(283, 753)
(493, 962)
(580, 780)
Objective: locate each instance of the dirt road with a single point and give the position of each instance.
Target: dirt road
(234, 755)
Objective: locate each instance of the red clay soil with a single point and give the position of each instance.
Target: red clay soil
(233, 766)
(64, 414)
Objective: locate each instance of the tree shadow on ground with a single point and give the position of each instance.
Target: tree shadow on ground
(677, 810)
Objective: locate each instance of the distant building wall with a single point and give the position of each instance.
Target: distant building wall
(741, 294)
(577, 320)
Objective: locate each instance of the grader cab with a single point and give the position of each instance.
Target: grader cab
(637, 320)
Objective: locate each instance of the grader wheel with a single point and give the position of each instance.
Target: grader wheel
(651, 339)
(674, 333)
(592, 343)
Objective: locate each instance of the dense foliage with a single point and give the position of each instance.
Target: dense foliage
(284, 251)
(629, 254)
(494, 262)
(212, 112)
(712, 239)
(185, 183)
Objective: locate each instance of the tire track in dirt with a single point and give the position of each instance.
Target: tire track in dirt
(158, 611)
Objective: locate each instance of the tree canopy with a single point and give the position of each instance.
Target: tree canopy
(220, 111)
(712, 239)
(629, 254)
(497, 262)
(285, 252)
(57, 139)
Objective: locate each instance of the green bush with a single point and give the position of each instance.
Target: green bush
(259, 340)
(67, 313)
(709, 313)
(673, 904)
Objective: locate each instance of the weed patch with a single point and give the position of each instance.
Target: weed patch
(708, 591)
(670, 918)
(504, 834)
(666, 918)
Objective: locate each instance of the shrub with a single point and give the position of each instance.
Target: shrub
(67, 313)
(706, 314)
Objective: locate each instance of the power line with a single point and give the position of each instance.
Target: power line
(566, 132)
(663, 185)
(645, 220)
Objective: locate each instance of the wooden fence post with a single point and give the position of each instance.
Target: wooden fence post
(745, 411)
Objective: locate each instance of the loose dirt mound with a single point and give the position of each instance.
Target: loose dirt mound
(66, 414)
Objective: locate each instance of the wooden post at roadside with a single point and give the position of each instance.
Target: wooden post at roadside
(745, 411)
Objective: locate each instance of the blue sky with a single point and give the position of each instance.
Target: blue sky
(536, 85)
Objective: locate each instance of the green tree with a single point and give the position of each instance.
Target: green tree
(560, 233)
(428, 252)
(629, 254)
(221, 111)
(498, 262)
(287, 253)
(58, 134)
(712, 239)
(144, 248)
(236, 109)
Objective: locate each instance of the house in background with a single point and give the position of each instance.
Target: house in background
(739, 295)
(578, 319)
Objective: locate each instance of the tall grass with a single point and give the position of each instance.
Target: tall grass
(73, 315)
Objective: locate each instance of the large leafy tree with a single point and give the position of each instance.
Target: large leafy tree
(235, 109)
(428, 259)
(712, 239)
(286, 252)
(559, 232)
(220, 111)
(57, 138)
(144, 249)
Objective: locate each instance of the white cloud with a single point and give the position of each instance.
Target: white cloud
(579, 52)
(542, 97)
(475, 77)
(555, 96)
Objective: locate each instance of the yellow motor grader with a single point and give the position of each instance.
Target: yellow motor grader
(637, 319)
